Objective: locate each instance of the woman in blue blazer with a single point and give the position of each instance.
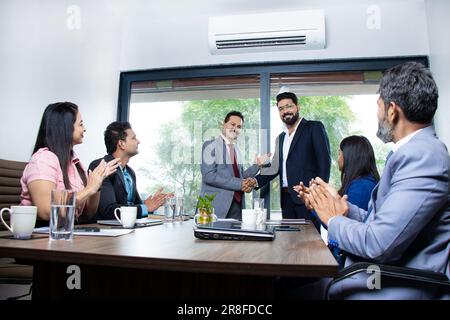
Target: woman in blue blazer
(359, 175)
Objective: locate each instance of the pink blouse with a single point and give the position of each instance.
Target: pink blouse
(44, 165)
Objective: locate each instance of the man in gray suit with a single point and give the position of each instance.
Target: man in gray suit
(222, 170)
(407, 222)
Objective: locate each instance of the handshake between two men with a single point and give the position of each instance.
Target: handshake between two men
(248, 184)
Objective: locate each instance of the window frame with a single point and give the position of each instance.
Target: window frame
(264, 70)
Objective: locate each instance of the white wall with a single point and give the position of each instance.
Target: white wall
(176, 34)
(42, 61)
(438, 16)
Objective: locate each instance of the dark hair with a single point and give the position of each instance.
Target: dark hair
(56, 134)
(233, 113)
(114, 132)
(287, 95)
(411, 86)
(359, 160)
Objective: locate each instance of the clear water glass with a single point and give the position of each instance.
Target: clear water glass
(169, 209)
(62, 214)
(179, 209)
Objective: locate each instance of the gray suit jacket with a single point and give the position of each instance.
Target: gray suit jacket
(408, 221)
(218, 176)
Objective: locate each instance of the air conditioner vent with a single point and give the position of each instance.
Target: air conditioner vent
(293, 30)
(264, 42)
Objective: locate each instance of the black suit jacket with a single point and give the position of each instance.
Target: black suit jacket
(308, 157)
(114, 194)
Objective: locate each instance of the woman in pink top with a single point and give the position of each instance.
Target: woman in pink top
(54, 165)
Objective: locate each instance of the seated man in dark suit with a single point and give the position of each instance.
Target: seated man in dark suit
(119, 189)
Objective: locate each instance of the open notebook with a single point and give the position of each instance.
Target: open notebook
(140, 223)
(91, 231)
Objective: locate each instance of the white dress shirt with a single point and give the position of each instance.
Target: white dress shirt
(235, 146)
(286, 146)
(404, 140)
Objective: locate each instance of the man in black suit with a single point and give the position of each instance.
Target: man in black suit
(119, 189)
(302, 152)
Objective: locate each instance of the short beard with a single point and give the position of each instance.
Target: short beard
(134, 153)
(292, 120)
(385, 132)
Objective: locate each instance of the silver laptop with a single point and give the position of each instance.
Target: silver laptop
(233, 230)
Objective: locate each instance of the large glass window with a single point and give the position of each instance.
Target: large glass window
(175, 111)
(173, 118)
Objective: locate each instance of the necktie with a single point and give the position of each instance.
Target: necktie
(237, 194)
(128, 186)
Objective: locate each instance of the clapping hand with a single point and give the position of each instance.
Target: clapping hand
(111, 167)
(327, 186)
(103, 170)
(326, 204)
(248, 184)
(157, 200)
(303, 192)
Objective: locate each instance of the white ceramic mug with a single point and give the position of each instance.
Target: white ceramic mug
(23, 220)
(127, 216)
(248, 217)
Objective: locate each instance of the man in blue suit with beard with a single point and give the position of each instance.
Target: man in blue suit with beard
(407, 222)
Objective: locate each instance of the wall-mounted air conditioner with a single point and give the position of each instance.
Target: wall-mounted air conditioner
(294, 30)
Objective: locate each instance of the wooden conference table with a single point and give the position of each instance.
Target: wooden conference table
(168, 262)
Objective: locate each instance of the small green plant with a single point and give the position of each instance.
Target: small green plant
(205, 203)
(205, 210)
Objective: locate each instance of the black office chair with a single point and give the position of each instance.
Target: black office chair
(407, 276)
(12, 272)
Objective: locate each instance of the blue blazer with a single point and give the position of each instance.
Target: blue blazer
(359, 191)
(406, 224)
(308, 157)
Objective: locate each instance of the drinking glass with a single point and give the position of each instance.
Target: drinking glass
(179, 209)
(169, 209)
(62, 214)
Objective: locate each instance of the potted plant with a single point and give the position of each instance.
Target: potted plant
(205, 209)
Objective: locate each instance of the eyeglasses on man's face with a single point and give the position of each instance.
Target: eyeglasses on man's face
(286, 106)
